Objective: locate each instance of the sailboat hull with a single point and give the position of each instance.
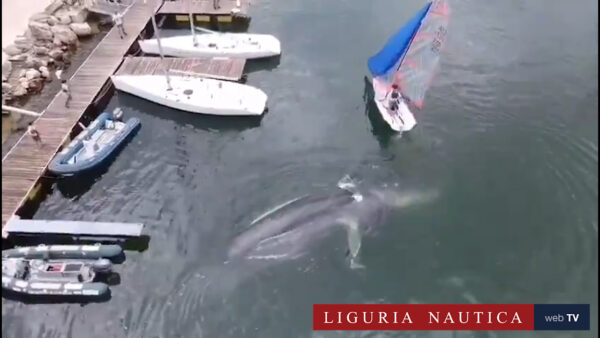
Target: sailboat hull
(238, 45)
(403, 120)
(195, 94)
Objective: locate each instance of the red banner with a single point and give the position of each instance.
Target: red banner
(394, 317)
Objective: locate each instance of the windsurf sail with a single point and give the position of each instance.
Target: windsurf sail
(410, 57)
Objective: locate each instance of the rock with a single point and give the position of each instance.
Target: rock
(44, 72)
(24, 43)
(6, 88)
(40, 17)
(23, 82)
(19, 90)
(63, 18)
(79, 15)
(81, 29)
(52, 20)
(36, 84)
(54, 6)
(30, 62)
(56, 54)
(35, 62)
(22, 73)
(64, 34)
(12, 50)
(32, 74)
(6, 70)
(7, 92)
(40, 50)
(28, 34)
(40, 30)
(18, 58)
(66, 57)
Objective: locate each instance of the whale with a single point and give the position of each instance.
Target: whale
(289, 230)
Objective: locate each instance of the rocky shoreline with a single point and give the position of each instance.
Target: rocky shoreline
(28, 79)
(48, 43)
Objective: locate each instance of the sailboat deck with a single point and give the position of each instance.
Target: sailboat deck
(218, 68)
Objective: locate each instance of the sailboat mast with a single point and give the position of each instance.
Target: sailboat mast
(160, 49)
(192, 23)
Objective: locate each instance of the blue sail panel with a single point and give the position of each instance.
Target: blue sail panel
(393, 50)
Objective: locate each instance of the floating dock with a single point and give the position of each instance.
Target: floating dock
(232, 13)
(216, 68)
(73, 228)
(26, 162)
(205, 7)
(107, 7)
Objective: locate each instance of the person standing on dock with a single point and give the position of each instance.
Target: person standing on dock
(118, 20)
(58, 74)
(64, 87)
(35, 135)
(216, 4)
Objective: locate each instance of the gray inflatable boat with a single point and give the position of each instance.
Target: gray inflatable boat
(42, 277)
(64, 252)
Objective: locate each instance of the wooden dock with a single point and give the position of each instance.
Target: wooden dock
(205, 7)
(25, 163)
(79, 228)
(107, 7)
(217, 68)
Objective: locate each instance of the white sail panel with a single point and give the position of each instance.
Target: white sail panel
(422, 57)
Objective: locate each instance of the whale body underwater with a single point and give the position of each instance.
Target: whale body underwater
(292, 229)
(289, 230)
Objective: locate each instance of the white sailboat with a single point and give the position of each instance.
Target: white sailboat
(195, 94)
(192, 93)
(214, 44)
(402, 70)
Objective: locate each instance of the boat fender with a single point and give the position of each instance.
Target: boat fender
(102, 265)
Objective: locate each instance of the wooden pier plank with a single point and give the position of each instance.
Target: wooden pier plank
(221, 68)
(26, 161)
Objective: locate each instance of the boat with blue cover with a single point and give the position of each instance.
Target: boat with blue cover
(94, 145)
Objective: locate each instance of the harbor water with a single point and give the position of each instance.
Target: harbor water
(508, 136)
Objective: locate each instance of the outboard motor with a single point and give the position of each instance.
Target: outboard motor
(118, 114)
(102, 265)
